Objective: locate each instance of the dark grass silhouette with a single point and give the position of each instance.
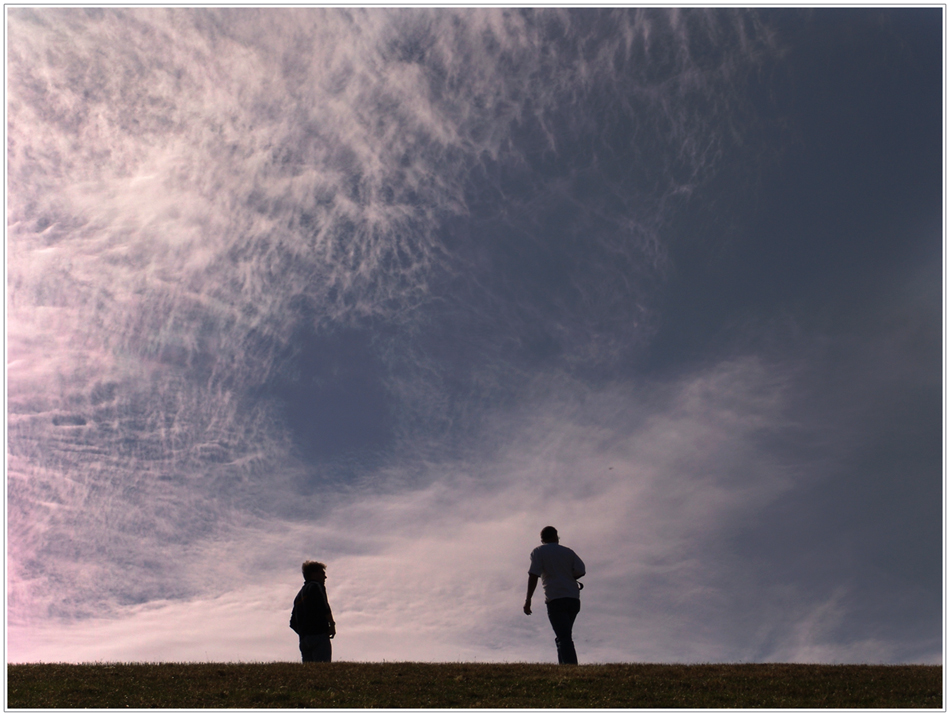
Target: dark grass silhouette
(466, 685)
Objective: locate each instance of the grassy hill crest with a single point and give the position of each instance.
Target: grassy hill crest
(471, 685)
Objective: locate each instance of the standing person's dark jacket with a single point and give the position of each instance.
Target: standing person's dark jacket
(311, 613)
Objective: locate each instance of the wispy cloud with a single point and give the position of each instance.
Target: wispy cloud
(645, 486)
(233, 230)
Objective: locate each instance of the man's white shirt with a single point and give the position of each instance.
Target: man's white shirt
(559, 568)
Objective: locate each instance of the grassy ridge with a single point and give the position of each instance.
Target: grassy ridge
(461, 685)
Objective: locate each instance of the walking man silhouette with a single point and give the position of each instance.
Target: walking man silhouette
(559, 569)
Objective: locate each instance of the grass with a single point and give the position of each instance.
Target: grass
(462, 685)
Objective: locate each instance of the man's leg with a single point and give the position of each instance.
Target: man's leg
(306, 653)
(561, 613)
(316, 647)
(323, 651)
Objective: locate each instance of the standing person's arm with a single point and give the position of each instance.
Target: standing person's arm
(532, 585)
(329, 612)
(330, 618)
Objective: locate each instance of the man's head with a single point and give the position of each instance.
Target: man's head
(548, 534)
(314, 571)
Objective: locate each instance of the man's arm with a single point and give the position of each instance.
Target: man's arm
(532, 585)
(329, 612)
(578, 568)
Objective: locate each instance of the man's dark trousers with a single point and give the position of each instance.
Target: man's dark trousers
(315, 647)
(562, 613)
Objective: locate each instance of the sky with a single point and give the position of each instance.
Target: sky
(393, 289)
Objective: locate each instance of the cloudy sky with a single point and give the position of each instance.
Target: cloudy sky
(395, 288)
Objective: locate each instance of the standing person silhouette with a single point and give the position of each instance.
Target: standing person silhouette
(559, 569)
(311, 617)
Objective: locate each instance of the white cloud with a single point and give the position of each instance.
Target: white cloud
(643, 487)
(182, 182)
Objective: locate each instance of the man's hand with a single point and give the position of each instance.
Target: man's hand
(332, 630)
(532, 584)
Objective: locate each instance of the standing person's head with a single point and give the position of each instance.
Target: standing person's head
(548, 534)
(314, 571)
